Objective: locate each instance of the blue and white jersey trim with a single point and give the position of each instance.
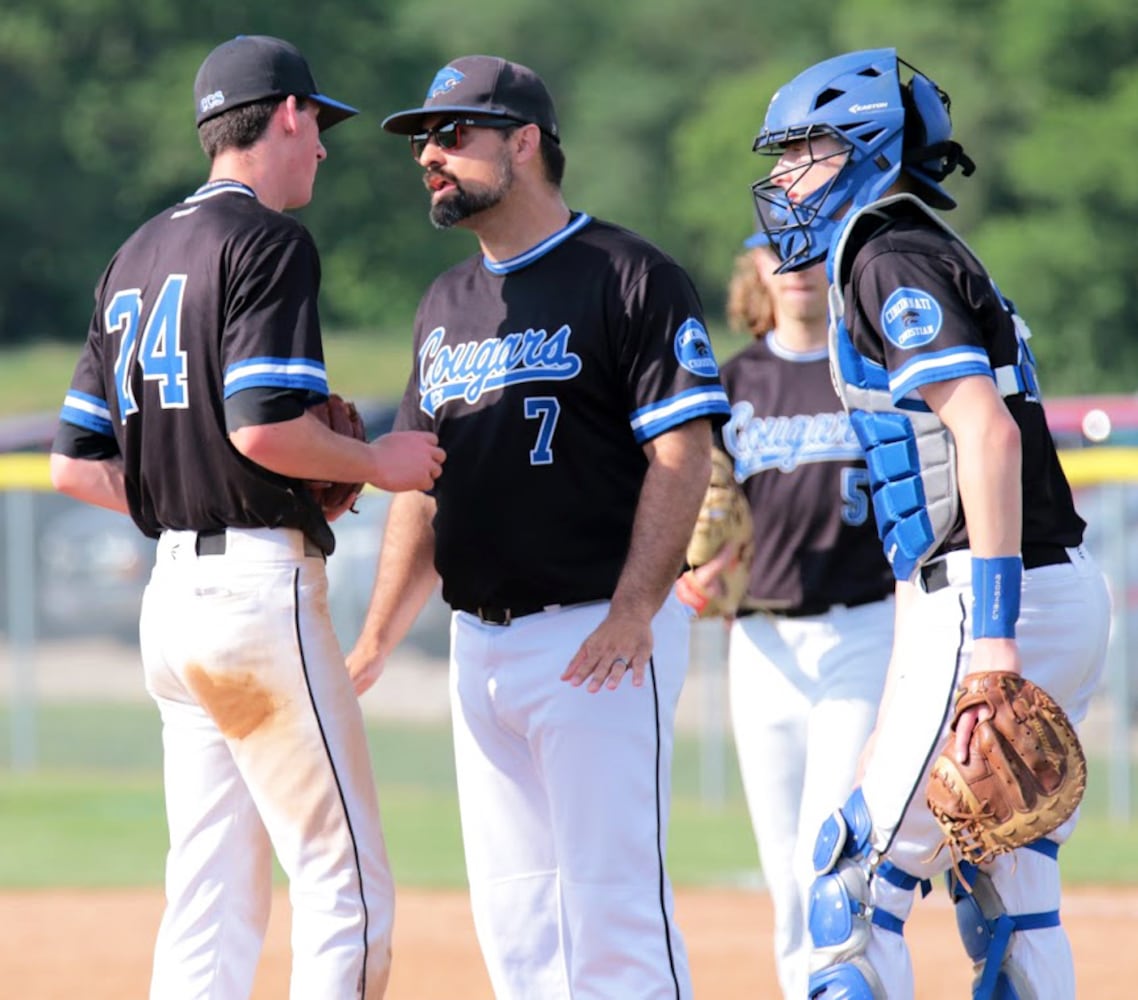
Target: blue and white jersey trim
(215, 188)
(942, 366)
(533, 253)
(276, 373)
(652, 421)
(86, 411)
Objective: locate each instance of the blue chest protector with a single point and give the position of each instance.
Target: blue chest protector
(910, 454)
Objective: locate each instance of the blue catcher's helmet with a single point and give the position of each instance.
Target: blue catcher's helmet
(880, 125)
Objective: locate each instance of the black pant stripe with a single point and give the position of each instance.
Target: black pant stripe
(659, 835)
(335, 776)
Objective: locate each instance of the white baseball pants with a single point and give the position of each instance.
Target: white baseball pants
(264, 749)
(565, 797)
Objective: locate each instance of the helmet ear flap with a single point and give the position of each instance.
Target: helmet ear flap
(930, 154)
(927, 119)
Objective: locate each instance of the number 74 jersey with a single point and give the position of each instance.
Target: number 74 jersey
(210, 298)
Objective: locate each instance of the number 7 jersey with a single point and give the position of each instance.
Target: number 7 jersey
(544, 377)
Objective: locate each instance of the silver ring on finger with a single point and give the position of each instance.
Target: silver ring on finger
(621, 660)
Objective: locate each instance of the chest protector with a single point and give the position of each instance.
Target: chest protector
(910, 454)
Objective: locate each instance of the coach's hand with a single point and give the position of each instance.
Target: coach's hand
(407, 460)
(621, 644)
(365, 664)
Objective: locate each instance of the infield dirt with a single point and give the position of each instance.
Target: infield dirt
(58, 945)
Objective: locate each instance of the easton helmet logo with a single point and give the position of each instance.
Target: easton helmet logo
(858, 109)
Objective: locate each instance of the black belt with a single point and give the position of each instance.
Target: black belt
(934, 575)
(503, 616)
(810, 610)
(212, 543)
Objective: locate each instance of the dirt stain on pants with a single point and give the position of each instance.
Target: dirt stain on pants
(238, 703)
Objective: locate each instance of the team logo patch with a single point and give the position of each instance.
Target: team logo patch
(693, 349)
(446, 79)
(911, 317)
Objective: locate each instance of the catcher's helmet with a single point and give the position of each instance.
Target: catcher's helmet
(882, 125)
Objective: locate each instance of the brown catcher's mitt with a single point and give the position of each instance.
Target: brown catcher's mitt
(342, 417)
(724, 518)
(1025, 775)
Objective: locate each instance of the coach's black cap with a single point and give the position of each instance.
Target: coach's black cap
(482, 85)
(252, 68)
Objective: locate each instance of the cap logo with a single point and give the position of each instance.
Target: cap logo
(446, 79)
(210, 101)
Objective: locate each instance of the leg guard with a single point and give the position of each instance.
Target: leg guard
(841, 914)
(986, 928)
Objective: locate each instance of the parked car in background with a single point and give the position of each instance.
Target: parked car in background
(92, 564)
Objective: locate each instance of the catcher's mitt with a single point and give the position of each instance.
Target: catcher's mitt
(341, 416)
(1025, 775)
(724, 519)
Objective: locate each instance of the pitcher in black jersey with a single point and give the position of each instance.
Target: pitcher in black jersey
(810, 645)
(934, 366)
(568, 374)
(187, 411)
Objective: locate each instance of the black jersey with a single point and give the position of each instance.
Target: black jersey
(803, 471)
(543, 377)
(212, 298)
(919, 303)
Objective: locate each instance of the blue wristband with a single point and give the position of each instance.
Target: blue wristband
(996, 586)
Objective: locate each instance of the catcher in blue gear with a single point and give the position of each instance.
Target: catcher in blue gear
(934, 366)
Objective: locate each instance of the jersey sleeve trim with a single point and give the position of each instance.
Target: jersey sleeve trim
(652, 421)
(88, 412)
(276, 373)
(942, 366)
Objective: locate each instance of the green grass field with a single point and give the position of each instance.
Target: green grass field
(360, 365)
(93, 814)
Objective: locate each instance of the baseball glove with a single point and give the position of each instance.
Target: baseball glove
(341, 416)
(1025, 775)
(724, 519)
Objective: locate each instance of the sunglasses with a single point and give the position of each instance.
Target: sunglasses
(449, 134)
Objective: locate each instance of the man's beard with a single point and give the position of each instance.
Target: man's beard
(462, 202)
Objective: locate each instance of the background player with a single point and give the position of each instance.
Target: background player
(933, 363)
(187, 411)
(810, 646)
(568, 373)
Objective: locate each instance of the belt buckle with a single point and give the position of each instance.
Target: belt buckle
(507, 616)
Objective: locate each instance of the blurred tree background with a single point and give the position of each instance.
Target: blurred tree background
(659, 102)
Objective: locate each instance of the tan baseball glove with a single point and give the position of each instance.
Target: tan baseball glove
(1025, 775)
(341, 416)
(724, 523)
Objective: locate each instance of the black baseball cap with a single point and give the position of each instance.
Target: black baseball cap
(482, 85)
(252, 68)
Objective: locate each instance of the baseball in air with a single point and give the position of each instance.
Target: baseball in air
(1096, 425)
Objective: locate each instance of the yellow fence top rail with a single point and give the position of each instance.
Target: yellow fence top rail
(1084, 467)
